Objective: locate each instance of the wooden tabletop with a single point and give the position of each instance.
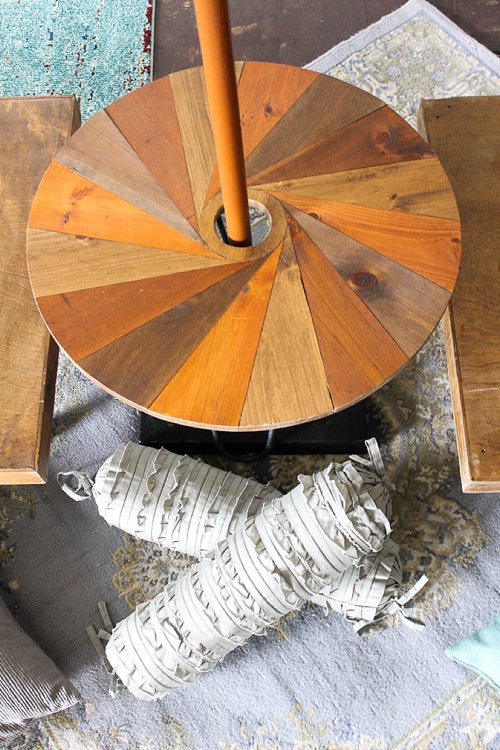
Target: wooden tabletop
(136, 286)
(465, 132)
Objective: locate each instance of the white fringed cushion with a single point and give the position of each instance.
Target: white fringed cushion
(297, 548)
(31, 686)
(183, 504)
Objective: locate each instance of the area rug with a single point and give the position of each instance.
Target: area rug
(97, 50)
(311, 682)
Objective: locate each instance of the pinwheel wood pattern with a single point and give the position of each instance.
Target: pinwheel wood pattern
(355, 273)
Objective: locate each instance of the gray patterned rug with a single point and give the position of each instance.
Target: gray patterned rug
(311, 682)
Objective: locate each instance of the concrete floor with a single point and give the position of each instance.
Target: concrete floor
(295, 32)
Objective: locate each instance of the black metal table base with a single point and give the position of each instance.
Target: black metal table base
(340, 433)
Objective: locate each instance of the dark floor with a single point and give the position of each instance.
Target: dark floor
(295, 32)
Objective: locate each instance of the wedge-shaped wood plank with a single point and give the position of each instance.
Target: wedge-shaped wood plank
(420, 187)
(358, 353)
(60, 263)
(386, 139)
(139, 116)
(406, 304)
(140, 364)
(211, 386)
(101, 153)
(288, 383)
(265, 95)
(89, 319)
(32, 130)
(427, 245)
(71, 203)
(327, 105)
(196, 132)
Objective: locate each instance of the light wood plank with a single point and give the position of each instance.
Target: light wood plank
(420, 187)
(148, 120)
(87, 320)
(427, 245)
(288, 383)
(99, 152)
(140, 364)
(465, 133)
(406, 304)
(326, 106)
(61, 263)
(70, 203)
(188, 87)
(385, 137)
(211, 386)
(32, 130)
(358, 353)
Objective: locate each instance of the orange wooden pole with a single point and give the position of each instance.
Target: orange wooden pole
(214, 32)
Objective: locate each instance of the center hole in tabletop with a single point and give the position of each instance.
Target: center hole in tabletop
(260, 223)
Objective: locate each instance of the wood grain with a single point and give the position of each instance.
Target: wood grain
(288, 379)
(384, 286)
(71, 203)
(60, 263)
(351, 339)
(326, 106)
(213, 382)
(427, 245)
(89, 319)
(100, 153)
(32, 130)
(159, 148)
(419, 187)
(188, 88)
(214, 335)
(465, 134)
(137, 366)
(265, 95)
(386, 139)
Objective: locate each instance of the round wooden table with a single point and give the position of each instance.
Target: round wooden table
(135, 285)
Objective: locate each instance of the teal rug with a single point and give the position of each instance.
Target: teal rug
(97, 50)
(311, 683)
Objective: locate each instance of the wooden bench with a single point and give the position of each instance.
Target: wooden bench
(32, 130)
(465, 134)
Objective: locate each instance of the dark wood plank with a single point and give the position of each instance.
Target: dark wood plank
(406, 304)
(358, 353)
(32, 130)
(101, 153)
(288, 383)
(140, 364)
(465, 133)
(89, 319)
(427, 245)
(326, 106)
(419, 187)
(72, 204)
(212, 384)
(138, 116)
(385, 137)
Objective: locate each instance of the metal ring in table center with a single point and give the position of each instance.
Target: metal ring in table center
(136, 286)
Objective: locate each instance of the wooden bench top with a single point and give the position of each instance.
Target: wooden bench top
(32, 130)
(465, 134)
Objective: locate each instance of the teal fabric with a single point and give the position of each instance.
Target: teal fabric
(97, 50)
(481, 652)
